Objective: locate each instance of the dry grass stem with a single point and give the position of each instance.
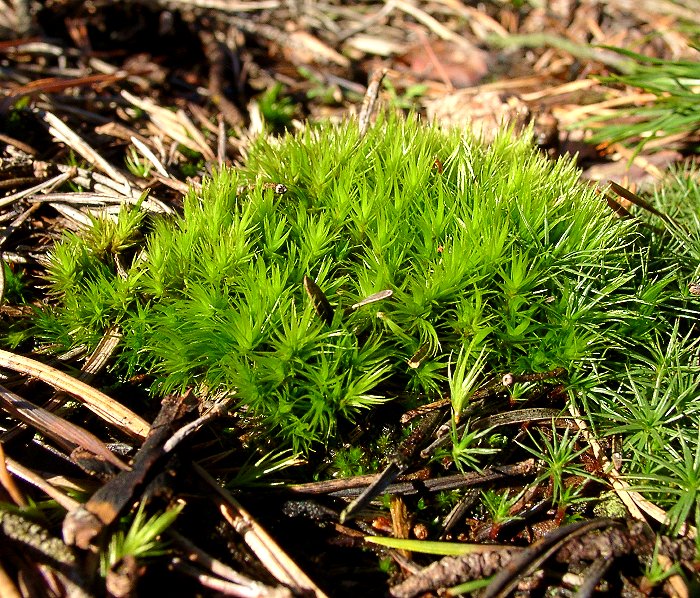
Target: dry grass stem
(107, 408)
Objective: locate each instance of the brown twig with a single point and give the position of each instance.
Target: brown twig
(82, 525)
(52, 426)
(370, 100)
(277, 562)
(104, 406)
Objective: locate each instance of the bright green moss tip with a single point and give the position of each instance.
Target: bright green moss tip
(492, 251)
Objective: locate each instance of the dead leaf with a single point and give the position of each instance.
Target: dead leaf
(456, 64)
(304, 48)
(484, 112)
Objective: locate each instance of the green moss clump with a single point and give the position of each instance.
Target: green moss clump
(493, 253)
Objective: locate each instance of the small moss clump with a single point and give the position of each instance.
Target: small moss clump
(491, 253)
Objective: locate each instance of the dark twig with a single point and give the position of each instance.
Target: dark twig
(576, 543)
(354, 486)
(216, 54)
(593, 576)
(62, 431)
(232, 581)
(532, 557)
(398, 464)
(83, 524)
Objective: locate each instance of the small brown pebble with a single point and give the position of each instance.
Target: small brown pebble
(420, 531)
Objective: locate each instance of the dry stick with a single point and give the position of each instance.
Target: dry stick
(15, 224)
(578, 113)
(51, 183)
(475, 16)
(277, 562)
(519, 416)
(593, 574)
(8, 483)
(107, 408)
(223, 6)
(530, 559)
(229, 588)
(216, 411)
(89, 198)
(366, 22)
(296, 40)
(77, 217)
(101, 355)
(17, 182)
(400, 522)
(430, 22)
(509, 379)
(94, 364)
(634, 501)
(398, 463)
(354, 486)
(50, 490)
(149, 155)
(150, 203)
(615, 541)
(244, 586)
(216, 55)
(56, 84)
(618, 485)
(423, 409)
(175, 125)
(450, 571)
(63, 133)
(489, 388)
(366, 111)
(196, 135)
(176, 185)
(90, 368)
(52, 426)
(82, 525)
(370, 100)
(563, 89)
(20, 145)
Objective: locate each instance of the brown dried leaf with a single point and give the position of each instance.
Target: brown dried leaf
(456, 64)
(304, 48)
(484, 112)
(323, 308)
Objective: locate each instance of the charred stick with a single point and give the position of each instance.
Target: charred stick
(370, 99)
(354, 486)
(83, 524)
(528, 560)
(398, 464)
